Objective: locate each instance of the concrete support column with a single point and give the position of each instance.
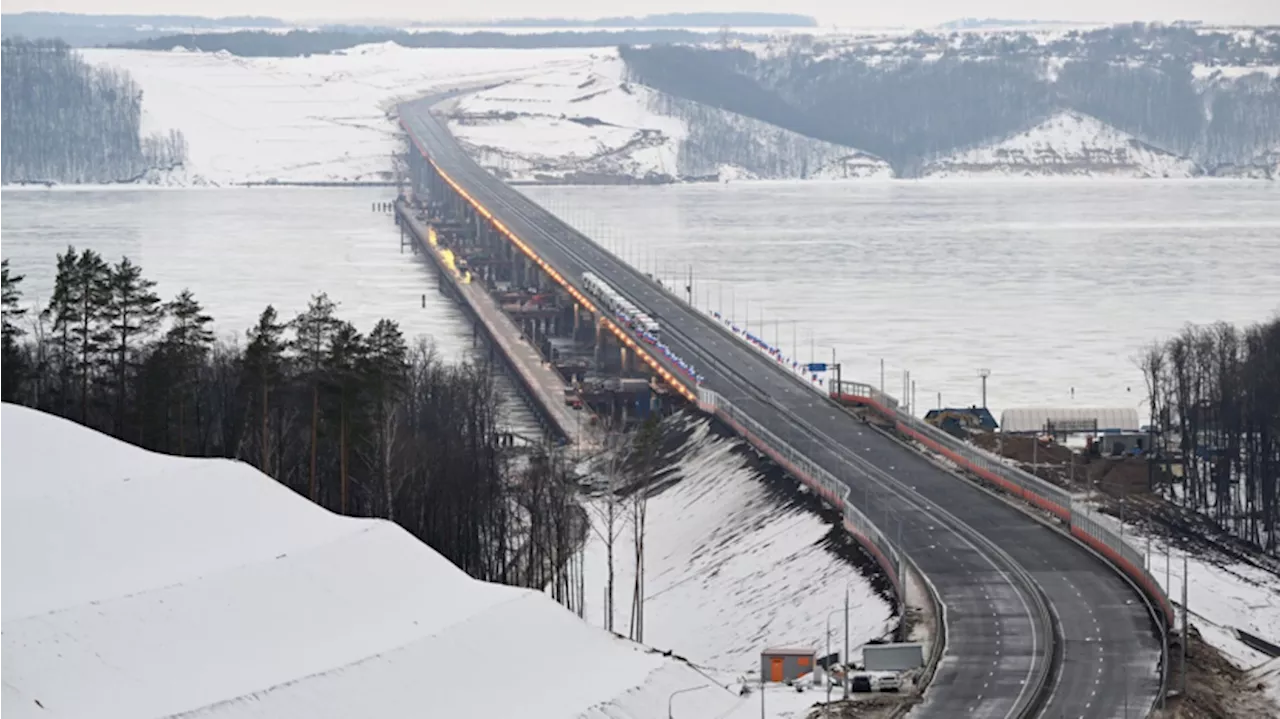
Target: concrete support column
(601, 339)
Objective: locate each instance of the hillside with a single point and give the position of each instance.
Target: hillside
(796, 107)
(1066, 145)
(142, 585)
(1210, 95)
(586, 123)
(321, 119)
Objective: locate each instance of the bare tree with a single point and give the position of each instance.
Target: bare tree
(608, 516)
(646, 446)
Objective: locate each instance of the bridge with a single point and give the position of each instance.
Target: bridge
(1047, 615)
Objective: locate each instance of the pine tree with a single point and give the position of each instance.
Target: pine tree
(386, 370)
(313, 330)
(91, 288)
(133, 313)
(264, 368)
(12, 365)
(346, 353)
(63, 313)
(186, 347)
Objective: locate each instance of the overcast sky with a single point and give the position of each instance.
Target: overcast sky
(828, 12)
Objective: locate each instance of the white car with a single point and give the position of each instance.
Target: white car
(888, 682)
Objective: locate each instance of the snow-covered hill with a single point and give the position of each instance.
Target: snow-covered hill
(1068, 144)
(140, 585)
(323, 118)
(732, 564)
(588, 123)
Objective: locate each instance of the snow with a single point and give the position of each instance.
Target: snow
(584, 115)
(1201, 71)
(731, 567)
(142, 585)
(322, 118)
(1268, 675)
(590, 120)
(1067, 144)
(1221, 597)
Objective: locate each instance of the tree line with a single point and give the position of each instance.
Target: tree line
(1214, 399)
(917, 103)
(367, 425)
(64, 120)
(301, 43)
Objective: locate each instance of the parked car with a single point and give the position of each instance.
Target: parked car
(888, 682)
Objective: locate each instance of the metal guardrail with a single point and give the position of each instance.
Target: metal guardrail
(1085, 525)
(820, 480)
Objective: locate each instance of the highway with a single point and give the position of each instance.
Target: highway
(1035, 622)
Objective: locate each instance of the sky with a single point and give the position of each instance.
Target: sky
(914, 13)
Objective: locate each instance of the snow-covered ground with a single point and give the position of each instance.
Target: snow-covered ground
(1221, 596)
(588, 122)
(731, 566)
(326, 118)
(322, 118)
(1065, 145)
(141, 585)
(551, 115)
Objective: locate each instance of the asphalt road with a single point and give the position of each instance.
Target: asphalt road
(1008, 584)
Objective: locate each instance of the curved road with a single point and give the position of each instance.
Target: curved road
(1009, 585)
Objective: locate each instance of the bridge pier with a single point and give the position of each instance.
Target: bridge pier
(570, 340)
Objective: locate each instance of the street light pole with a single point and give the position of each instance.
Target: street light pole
(827, 670)
(844, 681)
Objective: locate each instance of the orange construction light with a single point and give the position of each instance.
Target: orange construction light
(589, 305)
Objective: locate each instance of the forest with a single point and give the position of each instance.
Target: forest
(1214, 394)
(366, 425)
(68, 122)
(301, 43)
(931, 95)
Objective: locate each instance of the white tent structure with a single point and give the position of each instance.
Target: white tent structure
(1035, 419)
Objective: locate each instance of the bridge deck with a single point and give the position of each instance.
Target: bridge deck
(540, 378)
(1013, 591)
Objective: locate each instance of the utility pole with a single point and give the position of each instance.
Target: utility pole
(1186, 634)
(984, 373)
(882, 376)
(844, 680)
(689, 288)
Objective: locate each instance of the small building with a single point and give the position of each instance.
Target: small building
(1069, 420)
(1121, 443)
(895, 657)
(785, 664)
(962, 421)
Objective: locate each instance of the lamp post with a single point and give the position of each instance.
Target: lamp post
(680, 691)
(984, 373)
(827, 669)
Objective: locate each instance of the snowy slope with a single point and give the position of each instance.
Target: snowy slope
(1065, 145)
(588, 123)
(142, 585)
(731, 566)
(1223, 594)
(302, 119)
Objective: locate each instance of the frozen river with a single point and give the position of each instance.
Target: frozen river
(241, 249)
(1050, 285)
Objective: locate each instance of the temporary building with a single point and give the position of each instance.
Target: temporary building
(1036, 419)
